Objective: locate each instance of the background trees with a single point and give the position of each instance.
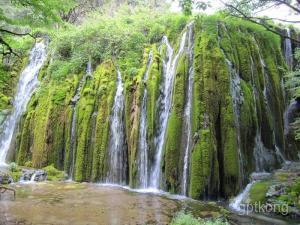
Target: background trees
(18, 17)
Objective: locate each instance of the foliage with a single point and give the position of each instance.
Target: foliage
(13, 167)
(187, 5)
(121, 37)
(18, 17)
(292, 83)
(54, 174)
(188, 219)
(15, 171)
(251, 10)
(292, 78)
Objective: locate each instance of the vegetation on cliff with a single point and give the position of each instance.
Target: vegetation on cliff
(238, 102)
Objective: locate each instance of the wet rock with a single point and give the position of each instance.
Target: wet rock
(40, 175)
(33, 175)
(26, 174)
(260, 176)
(5, 178)
(275, 190)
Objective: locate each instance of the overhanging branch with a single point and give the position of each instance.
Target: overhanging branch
(254, 20)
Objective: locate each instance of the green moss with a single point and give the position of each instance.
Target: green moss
(26, 136)
(173, 145)
(44, 135)
(54, 174)
(258, 192)
(105, 85)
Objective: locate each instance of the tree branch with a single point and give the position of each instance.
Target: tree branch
(10, 50)
(14, 33)
(289, 5)
(253, 20)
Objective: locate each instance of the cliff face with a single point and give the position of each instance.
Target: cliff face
(236, 112)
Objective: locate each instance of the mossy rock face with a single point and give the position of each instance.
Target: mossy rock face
(223, 150)
(258, 192)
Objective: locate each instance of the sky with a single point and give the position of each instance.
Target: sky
(281, 12)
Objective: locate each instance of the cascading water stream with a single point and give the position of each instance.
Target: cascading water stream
(288, 51)
(266, 100)
(237, 98)
(188, 111)
(143, 167)
(236, 204)
(74, 101)
(261, 154)
(26, 87)
(165, 100)
(117, 155)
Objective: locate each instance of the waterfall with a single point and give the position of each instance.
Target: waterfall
(26, 86)
(237, 201)
(288, 51)
(237, 99)
(143, 146)
(261, 153)
(188, 111)
(89, 68)
(169, 67)
(74, 101)
(266, 81)
(291, 114)
(73, 142)
(117, 155)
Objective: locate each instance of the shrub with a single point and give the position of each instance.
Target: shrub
(13, 167)
(54, 174)
(28, 164)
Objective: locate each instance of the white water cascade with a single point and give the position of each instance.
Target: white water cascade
(236, 203)
(288, 51)
(143, 167)
(169, 66)
(26, 87)
(117, 155)
(188, 111)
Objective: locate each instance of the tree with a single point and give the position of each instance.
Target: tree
(18, 16)
(250, 9)
(187, 5)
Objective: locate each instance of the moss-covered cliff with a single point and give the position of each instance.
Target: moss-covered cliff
(230, 57)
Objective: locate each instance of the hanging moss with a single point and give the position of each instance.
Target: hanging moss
(173, 148)
(45, 131)
(105, 87)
